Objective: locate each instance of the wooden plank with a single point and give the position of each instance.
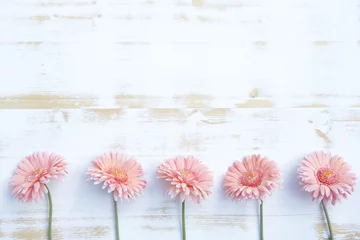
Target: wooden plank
(159, 78)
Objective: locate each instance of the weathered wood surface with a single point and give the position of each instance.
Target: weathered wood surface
(154, 79)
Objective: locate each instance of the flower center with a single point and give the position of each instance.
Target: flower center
(327, 176)
(187, 175)
(36, 175)
(40, 172)
(120, 176)
(251, 179)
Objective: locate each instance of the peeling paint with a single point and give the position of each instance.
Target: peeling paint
(255, 103)
(219, 220)
(90, 232)
(34, 234)
(322, 135)
(254, 93)
(341, 231)
(28, 234)
(103, 114)
(216, 112)
(195, 15)
(194, 100)
(197, 3)
(40, 18)
(323, 43)
(135, 101)
(45, 101)
(314, 105)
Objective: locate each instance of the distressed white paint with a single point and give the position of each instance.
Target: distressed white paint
(154, 79)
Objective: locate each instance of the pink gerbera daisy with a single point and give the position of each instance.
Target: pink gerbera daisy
(187, 177)
(36, 170)
(328, 178)
(32, 175)
(255, 178)
(121, 175)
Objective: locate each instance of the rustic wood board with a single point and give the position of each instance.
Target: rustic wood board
(155, 79)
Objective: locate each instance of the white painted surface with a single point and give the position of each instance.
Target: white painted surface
(155, 79)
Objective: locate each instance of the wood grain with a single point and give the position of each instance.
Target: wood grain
(156, 79)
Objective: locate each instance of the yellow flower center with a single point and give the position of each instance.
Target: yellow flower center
(118, 173)
(326, 176)
(251, 179)
(37, 174)
(185, 173)
(120, 176)
(252, 175)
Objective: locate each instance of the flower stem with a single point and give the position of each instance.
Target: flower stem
(116, 221)
(50, 214)
(261, 221)
(183, 221)
(327, 220)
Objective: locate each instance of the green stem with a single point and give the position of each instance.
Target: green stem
(261, 221)
(327, 220)
(116, 221)
(50, 214)
(183, 221)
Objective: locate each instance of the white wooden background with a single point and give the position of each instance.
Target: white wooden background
(159, 78)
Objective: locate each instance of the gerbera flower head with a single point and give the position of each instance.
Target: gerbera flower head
(326, 177)
(119, 173)
(33, 172)
(254, 178)
(187, 177)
